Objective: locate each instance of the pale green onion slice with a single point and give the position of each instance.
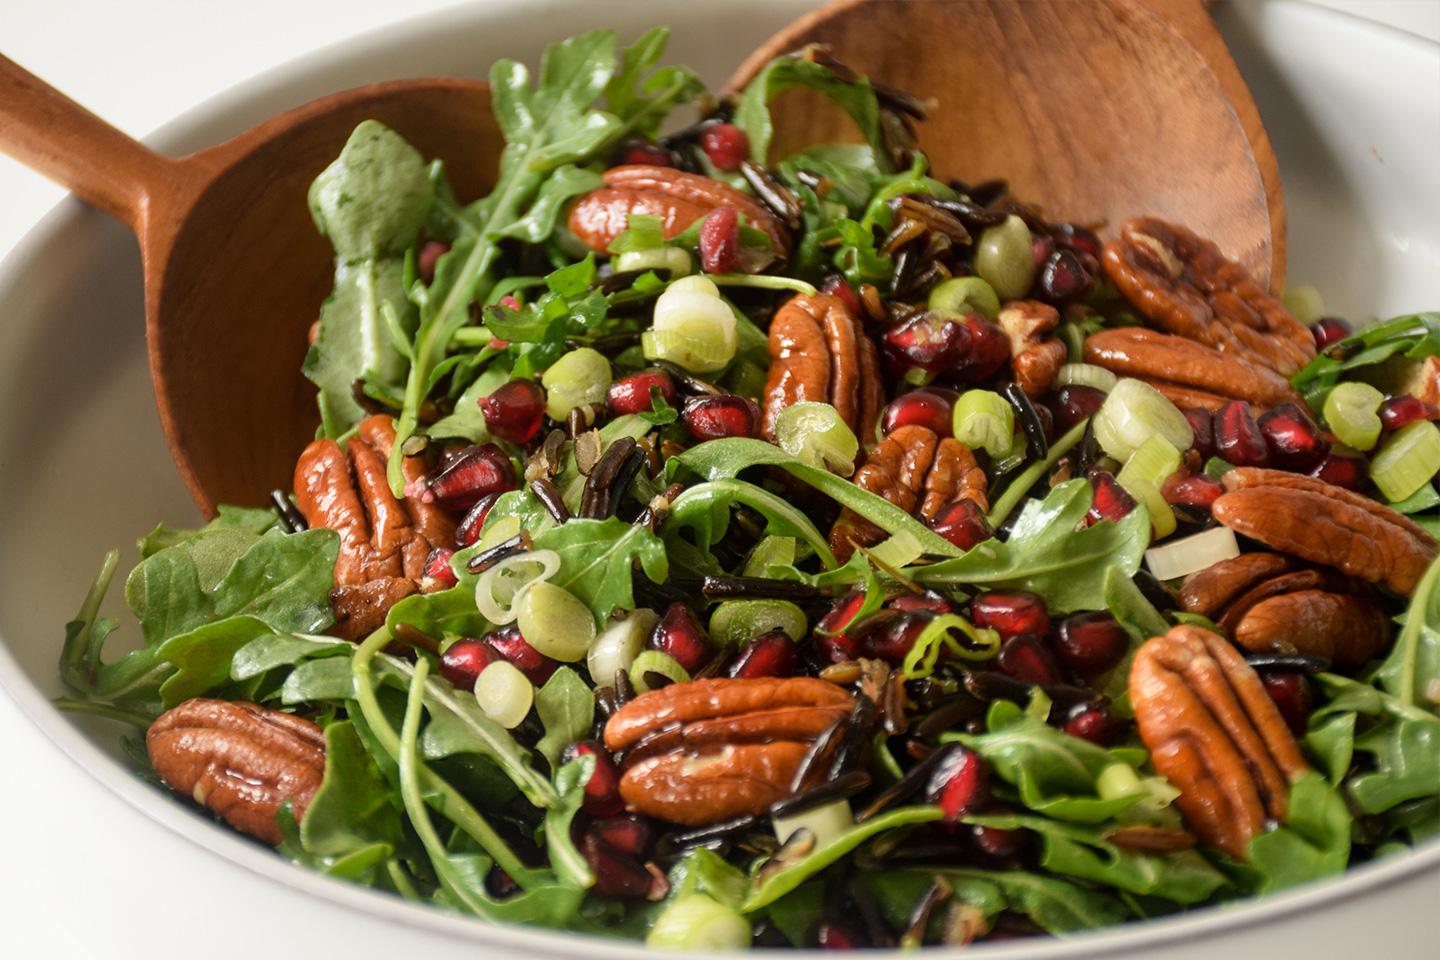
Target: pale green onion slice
(815, 433)
(826, 822)
(697, 922)
(695, 355)
(900, 549)
(1086, 375)
(1407, 460)
(1162, 518)
(674, 259)
(1180, 558)
(1304, 303)
(653, 661)
(695, 283)
(504, 694)
(1155, 460)
(498, 587)
(736, 622)
(1005, 258)
(554, 621)
(498, 531)
(577, 379)
(961, 295)
(985, 420)
(1352, 411)
(1132, 413)
(618, 646)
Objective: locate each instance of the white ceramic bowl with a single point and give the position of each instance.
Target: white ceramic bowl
(1353, 108)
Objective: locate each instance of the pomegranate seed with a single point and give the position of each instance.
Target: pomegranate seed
(989, 349)
(995, 842)
(514, 411)
(1074, 237)
(932, 344)
(960, 783)
(1075, 402)
(1330, 330)
(715, 418)
(1348, 470)
(678, 635)
(602, 790)
(509, 302)
(1403, 410)
(720, 240)
(1041, 249)
(1112, 501)
(1291, 693)
(1193, 490)
(437, 574)
(463, 660)
(838, 286)
(1092, 722)
(1238, 438)
(897, 637)
(1292, 436)
(618, 875)
(963, 523)
(768, 655)
(922, 408)
(1047, 421)
(834, 936)
(467, 532)
(473, 473)
(430, 254)
(1010, 612)
(512, 646)
(632, 394)
(1088, 644)
(1202, 425)
(1063, 279)
(840, 646)
(929, 600)
(1025, 657)
(628, 833)
(642, 152)
(726, 145)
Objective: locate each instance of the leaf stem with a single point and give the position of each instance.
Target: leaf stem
(739, 491)
(78, 662)
(1408, 643)
(1021, 485)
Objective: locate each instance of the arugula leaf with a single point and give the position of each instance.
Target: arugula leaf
(354, 806)
(1313, 842)
(597, 558)
(856, 98)
(1056, 904)
(566, 707)
(1413, 336)
(202, 657)
(566, 860)
(1141, 622)
(626, 93)
(1414, 660)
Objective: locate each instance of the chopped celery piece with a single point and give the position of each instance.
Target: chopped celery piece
(815, 433)
(1132, 413)
(1406, 461)
(1180, 558)
(1162, 518)
(985, 420)
(962, 295)
(1352, 411)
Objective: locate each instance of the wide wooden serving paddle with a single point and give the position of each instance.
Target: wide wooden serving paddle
(1095, 111)
(235, 271)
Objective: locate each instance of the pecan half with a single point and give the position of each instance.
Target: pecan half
(1034, 359)
(1214, 733)
(1182, 283)
(917, 471)
(383, 541)
(1169, 361)
(1326, 524)
(239, 759)
(820, 352)
(677, 198)
(1210, 591)
(705, 751)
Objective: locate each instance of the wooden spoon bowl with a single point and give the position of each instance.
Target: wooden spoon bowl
(1095, 111)
(235, 271)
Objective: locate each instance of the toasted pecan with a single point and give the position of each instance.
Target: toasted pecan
(819, 352)
(1344, 627)
(1168, 359)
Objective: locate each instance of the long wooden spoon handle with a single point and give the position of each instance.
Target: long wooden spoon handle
(56, 137)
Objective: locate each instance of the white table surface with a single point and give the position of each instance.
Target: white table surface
(138, 63)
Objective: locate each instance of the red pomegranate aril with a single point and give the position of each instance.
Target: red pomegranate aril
(960, 783)
(467, 531)
(989, 349)
(838, 286)
(1041, 249)
(632, 394)
(1088, 644)
(602, 790)
(997, 843)
(642, 152)
(929, 600)
(1074, 403)
(933, 344)
(1112, 501)
(834, 643)
(1291, 693)
(1063, 279)
(720, 240)
(429, 255)
(678, 635)
(1348, 470)
(1011, 612)
(1094, 723)
(512, 646)
(1328, 331)
(834, 936)
(437, 574)
(726, 415)
(1202, 425)
(1191, 489)
(1403, 410)
(726, 145)
(1292, 436)
(768, 655)
(515, 410)
(618, 875)
(920, 408)
(962, 523)
(627, 832)
(1025, 657)
(473, 473)
(1238, 439)
(1074, 237)
(463, 660)
(898, 637)
(1047, 421)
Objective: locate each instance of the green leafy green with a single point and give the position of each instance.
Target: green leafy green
(856, 98)
(597, 558)
(1413, 336)
(566, 707)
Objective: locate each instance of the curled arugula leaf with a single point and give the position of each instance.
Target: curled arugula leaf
(1413, 336)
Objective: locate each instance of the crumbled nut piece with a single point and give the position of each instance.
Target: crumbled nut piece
(1034, 359)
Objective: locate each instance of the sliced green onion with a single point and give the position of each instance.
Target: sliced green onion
(499, 586)
(1304, 303)
(962, 295)
(1118, 780)
(1407, 460)
(497, 531)
(826, 822)
(578, 378)
(695, 283)
(984, 419)
(736, 622)
(772, 551)
(1005, 258)
(1217, 467)
(1085, 375)
(554, 621)
(653, 661)
(1180, 558)
(1352, 411)
(1154, 461)
(1133, 412)
(697, 356)
(920, 661)
(816, 434)
(504, 694)
(693, 327)
(618, 646)
(1162, 518)
(674, 259)
(900, 549)
(697, 922)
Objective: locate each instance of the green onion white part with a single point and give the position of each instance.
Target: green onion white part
(504, 694)
(554, 621)
(1132, 413)
(498, 588)
(617, 647)
(1180, 558)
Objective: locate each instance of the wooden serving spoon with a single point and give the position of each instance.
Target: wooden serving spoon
(1094, 111)
(235, 271)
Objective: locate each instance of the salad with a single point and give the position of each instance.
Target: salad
(723, 552)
